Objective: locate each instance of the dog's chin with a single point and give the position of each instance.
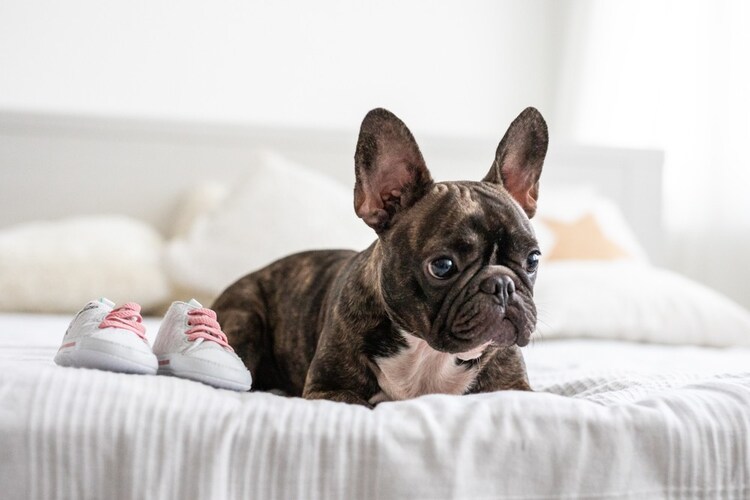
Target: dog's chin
(498, 331)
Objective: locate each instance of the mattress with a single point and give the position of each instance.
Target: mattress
(608, 419)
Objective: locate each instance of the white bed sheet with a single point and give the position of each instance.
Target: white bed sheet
(609, 420)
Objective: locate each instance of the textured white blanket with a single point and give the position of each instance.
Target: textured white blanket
(610, 420)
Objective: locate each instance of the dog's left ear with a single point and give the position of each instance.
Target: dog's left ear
(519, 159)
(391, 174)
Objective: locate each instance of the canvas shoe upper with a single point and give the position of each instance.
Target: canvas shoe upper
(190, 344)
(107, 338)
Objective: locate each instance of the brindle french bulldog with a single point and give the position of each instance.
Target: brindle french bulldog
(439, 303)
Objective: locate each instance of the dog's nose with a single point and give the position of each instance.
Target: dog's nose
(501, 285)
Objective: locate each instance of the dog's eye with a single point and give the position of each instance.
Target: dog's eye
(442, 268)
(532, 261)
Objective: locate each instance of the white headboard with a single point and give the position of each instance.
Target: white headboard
(55, 166)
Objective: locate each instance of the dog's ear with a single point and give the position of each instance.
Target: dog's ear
(391, 174)
(519, 159)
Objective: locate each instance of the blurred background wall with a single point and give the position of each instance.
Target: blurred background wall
(445, 66)
(671, 75)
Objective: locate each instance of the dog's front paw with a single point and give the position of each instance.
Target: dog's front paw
(348, 397)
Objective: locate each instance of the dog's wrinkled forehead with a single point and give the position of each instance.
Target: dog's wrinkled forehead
(467, 211)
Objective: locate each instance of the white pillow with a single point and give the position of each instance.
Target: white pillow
(278, 209)
(59, 266)
(570, 204)
(637, 302)
(196, 202)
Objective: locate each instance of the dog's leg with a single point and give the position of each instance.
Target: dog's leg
(338, 372)
(504, 370)
(348, 397)
(241, 311)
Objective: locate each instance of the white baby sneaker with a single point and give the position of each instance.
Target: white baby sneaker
(190, 344)
(107, 339)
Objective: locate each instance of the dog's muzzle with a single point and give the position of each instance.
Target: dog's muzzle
(491, 313)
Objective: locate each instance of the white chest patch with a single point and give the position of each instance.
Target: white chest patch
(419, 369)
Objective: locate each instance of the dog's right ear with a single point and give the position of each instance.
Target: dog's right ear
(390, 172)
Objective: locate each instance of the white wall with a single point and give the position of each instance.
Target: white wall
(452, 67)
(614, 73)
(672, 75)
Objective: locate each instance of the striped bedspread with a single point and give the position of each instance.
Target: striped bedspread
(639, 422)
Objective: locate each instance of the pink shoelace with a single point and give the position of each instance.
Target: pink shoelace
(204, 326)
(127, 317)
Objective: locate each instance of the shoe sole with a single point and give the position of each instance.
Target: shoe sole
(98, 355)
(179, 367)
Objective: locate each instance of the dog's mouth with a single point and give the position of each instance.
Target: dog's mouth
(502, 335)
(487, 321)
